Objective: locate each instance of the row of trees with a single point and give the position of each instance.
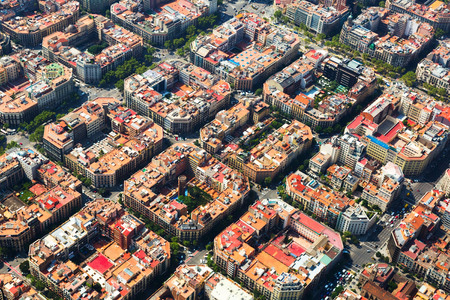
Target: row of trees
(182, 44)
(128, 68)
(434, 91)
(86, 181)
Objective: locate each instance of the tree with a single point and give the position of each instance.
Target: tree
(392, 285)
(190, 31)
(25, 267)
(337, 291)
(382, 4)
(257, 295)
(258, 92)
(439, 33)
(178, 42)
(321, 36)
(102, 191)
(180, 52)
(108, 14)
(168, 44)
(96, 286)
(267, 181)
(278, 14)
(96, 49)
(39, 285)
(409, 78)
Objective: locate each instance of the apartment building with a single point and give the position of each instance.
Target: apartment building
(320, 200)
(355, 220)
(411, 155)
(266, 268)
(11, 171)
(436, 14)
(345, 150)
(411, 147)
(417, 225)
(351, 74)
(273, 154)
(20, 223)
(225, 123)
(227, 188)
(59, 203)
(337, 175)
(444, 183)
(29, 161)
(382, 195)
(14, 288)
(122, 160)
(407, 37)
(55, 86)
(86, 121)
(47, 86)
(282, 89)
(195, 97)
(174, 17)
(249, 68)
(120, 274)
(57, 140)
(190, 282)
(434, 69)
(29, 30)
(123, 44)
(10, 69)
(317, 17)
(53, 175)
(416, 248)
(112, 159)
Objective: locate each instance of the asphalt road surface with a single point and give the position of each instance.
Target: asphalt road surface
(196, 259)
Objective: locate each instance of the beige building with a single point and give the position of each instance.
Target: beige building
(273, 154)
(29, 30)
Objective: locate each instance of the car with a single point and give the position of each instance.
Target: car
(20, 144)
(368, 250)
(396, 216)
(392, 225)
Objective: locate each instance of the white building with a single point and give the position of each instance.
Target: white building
(444, 183)
(354, 220)
(225, 289)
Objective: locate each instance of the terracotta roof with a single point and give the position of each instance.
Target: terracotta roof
(377, 292)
